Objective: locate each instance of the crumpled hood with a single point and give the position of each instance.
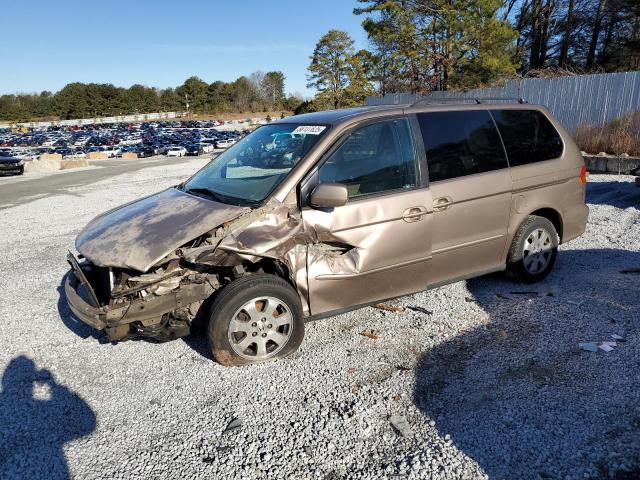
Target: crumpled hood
(139, 234)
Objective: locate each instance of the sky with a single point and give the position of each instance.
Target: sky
(47, 44)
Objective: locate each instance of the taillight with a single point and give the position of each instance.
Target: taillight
(583, 174)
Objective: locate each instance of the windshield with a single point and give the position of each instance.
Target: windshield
(248, 172)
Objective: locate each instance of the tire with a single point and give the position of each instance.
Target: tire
(533, 250)
(242, 328)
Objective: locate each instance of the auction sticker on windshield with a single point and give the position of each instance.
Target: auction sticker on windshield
(309, 129)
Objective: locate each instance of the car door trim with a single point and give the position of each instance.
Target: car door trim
(541, 185)
(467, 244)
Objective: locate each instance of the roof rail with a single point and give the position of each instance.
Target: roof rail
(478, 100)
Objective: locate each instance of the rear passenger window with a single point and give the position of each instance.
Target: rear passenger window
(460, 143)
(528, 136)
(373, 159)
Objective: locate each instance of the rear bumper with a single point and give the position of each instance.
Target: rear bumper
(575, 222)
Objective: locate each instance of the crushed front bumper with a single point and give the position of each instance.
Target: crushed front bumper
(148, 311)
(82, 309)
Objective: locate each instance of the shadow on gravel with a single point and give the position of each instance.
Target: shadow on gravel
(617, 194)
(37, 417)
(519, 397)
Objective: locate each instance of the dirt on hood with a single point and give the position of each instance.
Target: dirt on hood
(139, 234)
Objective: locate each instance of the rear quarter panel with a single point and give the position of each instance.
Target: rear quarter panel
(552, 184)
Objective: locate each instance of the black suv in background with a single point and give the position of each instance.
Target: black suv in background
(10, 163)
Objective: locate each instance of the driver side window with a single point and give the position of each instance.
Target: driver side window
(375, 158)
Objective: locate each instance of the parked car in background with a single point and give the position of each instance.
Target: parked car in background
(76, 154)
(224, 143)
(10, 163)
(206, 147)
(112, 151)
(176, 152)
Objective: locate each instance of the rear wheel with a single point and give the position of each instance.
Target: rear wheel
(255, 319)
(533, 250)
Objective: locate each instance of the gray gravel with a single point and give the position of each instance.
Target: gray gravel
(490, 384)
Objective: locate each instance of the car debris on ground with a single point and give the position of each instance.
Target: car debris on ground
(370, 334)
(400, 425)
(389, 308)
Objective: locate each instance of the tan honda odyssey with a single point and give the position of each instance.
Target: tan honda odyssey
(323, 212)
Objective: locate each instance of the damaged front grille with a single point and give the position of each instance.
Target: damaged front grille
(100, 279)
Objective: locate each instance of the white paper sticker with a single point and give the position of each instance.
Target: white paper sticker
(309, 129)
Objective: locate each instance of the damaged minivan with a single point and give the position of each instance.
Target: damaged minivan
(323, 212)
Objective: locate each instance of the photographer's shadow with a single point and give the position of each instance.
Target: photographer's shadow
(520, 398)
(37, 417)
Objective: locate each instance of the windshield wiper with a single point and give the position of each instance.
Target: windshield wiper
(215, 196)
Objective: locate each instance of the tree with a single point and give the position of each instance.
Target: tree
(359, 86)
(329, 66)
(580, 35)
(305, 107)
(88, 100)
(218, 96)
(272, 87)
(194, 93)
(170, 101)
(424, 45)
(566, 37)
(242, 94)
(337, 72)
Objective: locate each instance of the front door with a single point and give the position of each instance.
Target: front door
(378, 245)
(471, 187)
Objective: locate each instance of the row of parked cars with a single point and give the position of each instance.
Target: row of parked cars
(175, 138)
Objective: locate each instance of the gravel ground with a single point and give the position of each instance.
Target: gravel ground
(483, 382)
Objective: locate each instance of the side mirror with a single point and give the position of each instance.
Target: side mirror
(329, 195)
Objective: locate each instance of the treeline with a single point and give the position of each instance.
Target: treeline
(257, 92)
(418, 46)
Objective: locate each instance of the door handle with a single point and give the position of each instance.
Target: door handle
(414, 214)
(442, 203)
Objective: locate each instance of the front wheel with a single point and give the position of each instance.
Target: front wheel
(255, 319)
(533, 250)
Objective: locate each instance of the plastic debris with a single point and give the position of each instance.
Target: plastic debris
(420, 309)
(618, 338)
(605, 346)
(234, 424)
(589, 347)
(389, 308)
(370, 334)
(400, 425)
(630, 270)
